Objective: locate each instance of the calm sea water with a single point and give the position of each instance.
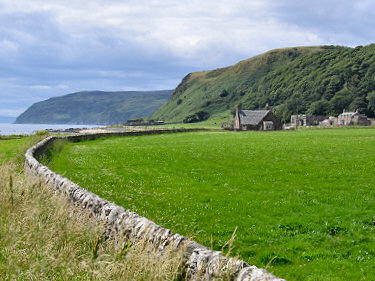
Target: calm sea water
(28, 129)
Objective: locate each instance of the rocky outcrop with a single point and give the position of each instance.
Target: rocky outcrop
(201, 263)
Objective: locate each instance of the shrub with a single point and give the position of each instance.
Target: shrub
(197, 117)
(224, 93)
(42, 133)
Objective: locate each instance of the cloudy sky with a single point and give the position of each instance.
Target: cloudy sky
(55, 47)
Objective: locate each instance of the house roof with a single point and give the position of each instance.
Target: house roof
(349, 113)
(252, 117)
(352, 115)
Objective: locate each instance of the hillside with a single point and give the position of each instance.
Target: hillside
(315, 80)
(94, 107)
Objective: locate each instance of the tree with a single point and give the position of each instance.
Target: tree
(359, 103)
(333, 86)
(321, 107)
(371, 100)
(341, 101)
(197, 117)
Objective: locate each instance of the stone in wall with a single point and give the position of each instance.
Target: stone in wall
(124, 225)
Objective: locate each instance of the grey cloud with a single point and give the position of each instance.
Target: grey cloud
(141, 44)
(338, 22)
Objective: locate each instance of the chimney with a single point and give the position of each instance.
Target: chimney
(237, 118)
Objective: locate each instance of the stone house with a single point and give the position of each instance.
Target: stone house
(353, 118)
(306, 120)
(256, 120)
(330, 121)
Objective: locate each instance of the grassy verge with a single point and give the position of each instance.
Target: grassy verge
(11, 147)
(303, 201)
(43, 238)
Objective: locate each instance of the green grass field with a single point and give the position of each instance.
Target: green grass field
(43, 238)
(11, 146)
(303, 201)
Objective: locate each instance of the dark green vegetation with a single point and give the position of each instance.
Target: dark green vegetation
(301, 199)
(94, 107)
(315, 80)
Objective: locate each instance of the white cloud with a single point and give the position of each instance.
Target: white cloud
(40, 87)
(51, 47)
(63, 87)
(11, 112)
(194, 33)
(7, 46)
(202, 32)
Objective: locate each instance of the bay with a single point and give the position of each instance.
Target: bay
(28, 129)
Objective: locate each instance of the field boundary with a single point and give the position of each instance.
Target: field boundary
(201, 263)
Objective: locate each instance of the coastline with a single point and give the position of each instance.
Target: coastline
(7, 129)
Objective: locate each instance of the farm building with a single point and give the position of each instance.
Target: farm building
(256, 120)
(306, 120)
(353, 118)
(330, 121)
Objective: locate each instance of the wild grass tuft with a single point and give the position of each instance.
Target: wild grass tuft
(44, 238)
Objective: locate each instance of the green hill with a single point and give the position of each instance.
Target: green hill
(94, 107)
(315, 80)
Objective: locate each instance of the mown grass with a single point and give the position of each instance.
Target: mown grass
(303, 201)
(44, 238)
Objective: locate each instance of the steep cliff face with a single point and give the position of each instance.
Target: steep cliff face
(316, 80)
(95, 107)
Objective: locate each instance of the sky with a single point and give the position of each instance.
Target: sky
(56, 47)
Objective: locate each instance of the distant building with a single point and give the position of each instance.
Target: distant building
(325, 123)
(353, 118)
(334, 120)
(142, 122)
(256, 120)
(330, 121)
(306, 120)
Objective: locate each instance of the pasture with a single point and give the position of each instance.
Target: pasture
(43, 238)
(11, 146)
(303, 202)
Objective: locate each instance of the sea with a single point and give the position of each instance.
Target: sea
(29, 129)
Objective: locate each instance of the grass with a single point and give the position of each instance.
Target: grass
(211, 124)
(44, 238)
(303, 201)
(11, 146)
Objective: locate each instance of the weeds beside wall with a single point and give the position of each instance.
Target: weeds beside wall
(43, 237)
(125, 227)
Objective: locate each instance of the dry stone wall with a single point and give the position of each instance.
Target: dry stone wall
(201, 263)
